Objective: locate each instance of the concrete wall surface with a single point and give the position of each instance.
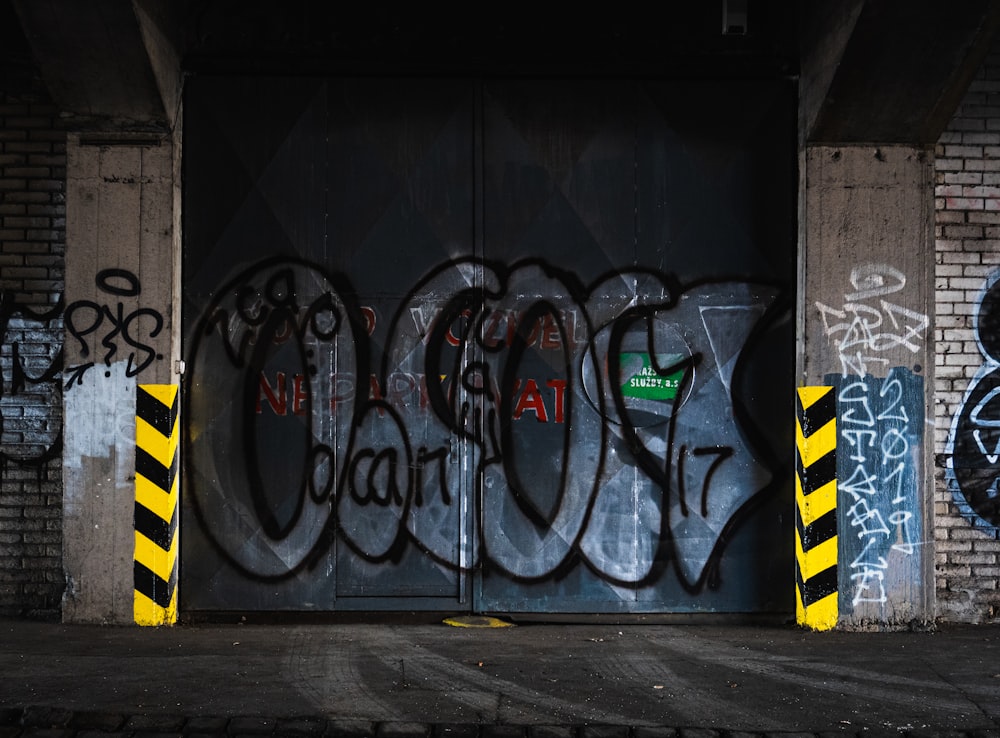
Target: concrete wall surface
(120, 196)
(865, 292)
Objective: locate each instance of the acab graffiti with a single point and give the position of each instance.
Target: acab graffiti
(587, 425)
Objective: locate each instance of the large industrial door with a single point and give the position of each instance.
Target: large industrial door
(509, 346)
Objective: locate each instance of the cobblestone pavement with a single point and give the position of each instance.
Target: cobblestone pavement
(374, 680)
(53, 722)
(57, 723)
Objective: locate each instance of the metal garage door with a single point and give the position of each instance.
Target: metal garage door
(502, 345)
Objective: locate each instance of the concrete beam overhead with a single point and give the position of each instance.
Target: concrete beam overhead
(94, 62)
(902, 70)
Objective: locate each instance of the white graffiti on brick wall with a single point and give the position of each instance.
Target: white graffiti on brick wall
(869, 324)
(972, 468)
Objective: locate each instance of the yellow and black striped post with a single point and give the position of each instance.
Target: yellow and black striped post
(156, 490)
(816, 602)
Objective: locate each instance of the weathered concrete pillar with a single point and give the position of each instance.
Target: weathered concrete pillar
(865, 306)
(121, 329)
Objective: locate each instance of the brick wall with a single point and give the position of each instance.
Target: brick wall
(32, 243)
(967, 200)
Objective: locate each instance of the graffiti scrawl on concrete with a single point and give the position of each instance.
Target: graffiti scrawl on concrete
(868, 324)
(32, 363)
(111, 324)
(878, 491)
(880, 429)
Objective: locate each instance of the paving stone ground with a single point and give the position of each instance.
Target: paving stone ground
(594, 680)
(47, 722)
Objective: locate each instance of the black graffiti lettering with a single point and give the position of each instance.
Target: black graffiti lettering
(78, 331)
(76, 373)
(30, 375)
(425, 458)
(146, 353)
(530, 399)
(20, 378)
(280, 290)
(379, 470)
(721, 453)
(324, 318)
(466, 374)
(85, 317)
(218, 323)
(283, 329)
(106, 282)
(250, 306)
(322, 479)
(490, 324)
(681, 486)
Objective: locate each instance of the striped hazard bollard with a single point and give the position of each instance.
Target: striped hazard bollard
(816, 602)
(156, 509)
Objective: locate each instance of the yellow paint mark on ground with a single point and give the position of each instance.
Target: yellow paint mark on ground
(477, 621)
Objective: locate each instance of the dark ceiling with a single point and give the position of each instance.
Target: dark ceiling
(868, 70)
(676, 39)
(18, 71)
